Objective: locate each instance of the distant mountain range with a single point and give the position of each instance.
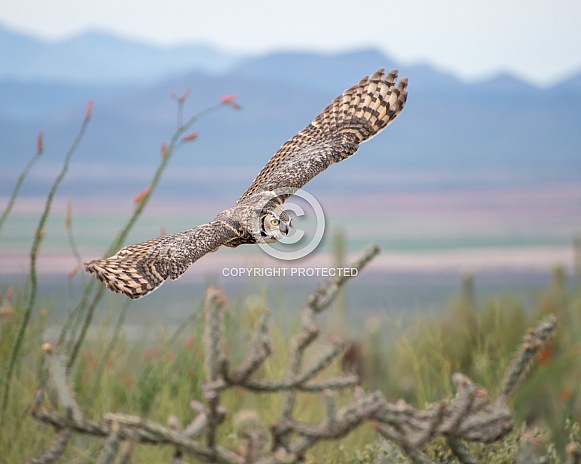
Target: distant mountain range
(502, 124)
(98, 58)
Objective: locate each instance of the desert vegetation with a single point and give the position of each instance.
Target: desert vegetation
(487, 381)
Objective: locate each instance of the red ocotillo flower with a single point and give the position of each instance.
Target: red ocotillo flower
(230, 100)
(89, 109)
(141, 195)
(40, 142)
(191, 136)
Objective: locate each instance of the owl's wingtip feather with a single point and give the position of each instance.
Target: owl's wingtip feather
(120, 278)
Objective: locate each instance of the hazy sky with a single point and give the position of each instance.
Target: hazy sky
(539, 40)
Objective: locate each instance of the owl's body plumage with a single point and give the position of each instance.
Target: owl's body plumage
(355, 116)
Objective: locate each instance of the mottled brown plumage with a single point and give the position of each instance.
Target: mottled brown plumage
(355, 116)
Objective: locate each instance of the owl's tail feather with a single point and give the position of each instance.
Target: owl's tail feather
(133, 271)
(366, 108)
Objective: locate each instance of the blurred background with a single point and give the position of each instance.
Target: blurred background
(473, 193)
(479, 176)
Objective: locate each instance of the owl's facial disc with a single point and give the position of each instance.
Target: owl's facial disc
(274, 225)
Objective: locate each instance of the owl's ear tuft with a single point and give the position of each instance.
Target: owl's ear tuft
(284, 216)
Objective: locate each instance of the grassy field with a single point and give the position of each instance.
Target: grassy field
(156, 372)
(71, 352)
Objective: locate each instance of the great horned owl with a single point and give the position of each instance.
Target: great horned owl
(355, 116)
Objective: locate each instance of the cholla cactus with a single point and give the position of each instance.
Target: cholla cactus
(469, 417)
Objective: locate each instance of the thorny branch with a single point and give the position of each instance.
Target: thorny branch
(469, 416)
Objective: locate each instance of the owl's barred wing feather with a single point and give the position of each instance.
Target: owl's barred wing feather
(355, 116)
(139, 269)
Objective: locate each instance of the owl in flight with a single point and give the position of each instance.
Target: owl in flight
(360, 113)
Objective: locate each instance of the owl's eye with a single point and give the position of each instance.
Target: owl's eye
(275, 222)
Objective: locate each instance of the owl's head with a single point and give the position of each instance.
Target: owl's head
(274, 225)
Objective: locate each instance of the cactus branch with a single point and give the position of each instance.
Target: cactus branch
(468, 417)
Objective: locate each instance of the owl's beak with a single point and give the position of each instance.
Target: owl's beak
(284, 229)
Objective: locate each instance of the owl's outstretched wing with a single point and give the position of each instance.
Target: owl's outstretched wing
(360, 113)
(139, 269)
